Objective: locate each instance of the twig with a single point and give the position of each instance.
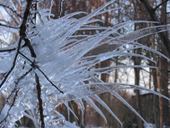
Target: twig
(8, 26)
(7, 50)
(23, 29)
(13, 65)
(38, 68)
(40, 102)
(16, 92)
(15, 97)
(22, 36)
(18, 80)
(5, 6)
(50, 81)
(28, 44)
(160, 5)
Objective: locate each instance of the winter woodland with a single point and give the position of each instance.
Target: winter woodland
(63, 59)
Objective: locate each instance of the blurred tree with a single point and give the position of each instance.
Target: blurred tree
(159, 13)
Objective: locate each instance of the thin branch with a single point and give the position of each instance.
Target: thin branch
(28, 44)
(7, 50)
(16, 92)
(13, 102)
(8, 26)
(22, 36)
(50, 80)
(153, 16)
(39, 69)
(12, 10)
(14, 48)
(26, 58)
(23, 29)
(164, 2)
(25, 18)
(40, 102)
(13, 65)
(18, 80)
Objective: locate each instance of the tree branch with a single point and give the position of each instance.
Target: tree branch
(40, 103)
(160, 5)
(7, 50)
(39, 69)
(17, 81)
(13, 102)
(22, 36)
(153, 16)
(8, 26)
(5, 6)
(13, 65)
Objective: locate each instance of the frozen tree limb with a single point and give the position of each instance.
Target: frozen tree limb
(22, 33)
(40, 102)
(160, 5)
(8, 26)
(12, 10)
(35, 66)
(12, 104)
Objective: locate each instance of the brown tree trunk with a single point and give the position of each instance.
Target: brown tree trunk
(156, 100)
(163, 75)
(162, 85)
(138, 97)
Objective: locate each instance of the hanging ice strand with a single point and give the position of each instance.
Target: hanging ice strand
(52, 63)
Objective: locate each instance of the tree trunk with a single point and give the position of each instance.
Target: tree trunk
(162, 85)
(156, 100)
(138, 97)
(163, 75)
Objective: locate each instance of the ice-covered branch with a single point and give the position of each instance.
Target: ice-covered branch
(8, 26)
(35, 66)
(12, 104)
(12, 10)
(165, 1)
(40, 102)
(22, 36)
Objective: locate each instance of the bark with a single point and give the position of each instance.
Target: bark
(138, 97)
(162, 73)
(156, 100)
(162, 85)
(154, 17)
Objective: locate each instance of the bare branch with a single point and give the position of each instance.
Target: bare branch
(17, 81)
(16, 90)
(7, 50)
(160, 5)
(8, 26)
(28, 44)
(13, 65)
(12, 10)
(153, 16)
(50, 81)
(22, 36)
(13, 102)
(39, 69)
